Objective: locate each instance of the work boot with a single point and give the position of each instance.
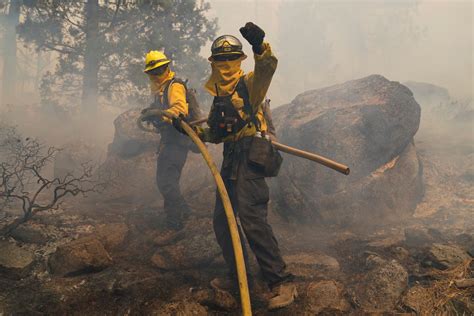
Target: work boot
(185, 213)
(172, 223)
(171, 232)
(176, 218)
(226, 284)
(167, 237)
(284, 295)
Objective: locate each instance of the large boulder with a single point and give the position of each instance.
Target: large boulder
(131, 158)
(367, 124)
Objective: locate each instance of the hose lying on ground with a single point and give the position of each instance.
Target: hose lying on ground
(234, 233)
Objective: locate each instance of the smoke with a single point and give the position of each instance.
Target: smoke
(320, 43)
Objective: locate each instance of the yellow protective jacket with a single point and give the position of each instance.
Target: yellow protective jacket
(257, 82)
(176, 96)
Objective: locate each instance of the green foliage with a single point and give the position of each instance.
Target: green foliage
(127, 31)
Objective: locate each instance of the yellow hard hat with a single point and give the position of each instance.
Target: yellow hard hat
(155, 59)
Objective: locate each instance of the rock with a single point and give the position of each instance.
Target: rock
(428, 94)
(29, 235)
(418, 298)
(437, 103)
(112, 235)
(417, 237)
(129, 140)
(83, 255)
(132, 157)
(14, 260)
(183, 308)
(367, 124)
(400, 253)
(446, 256)
(216, 299)
(383, 284)
(325, 296)
(197, 248)
(466, 242)
(307, 264)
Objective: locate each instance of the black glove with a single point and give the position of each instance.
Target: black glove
(149, 114)
(177, 123)
(254, 35)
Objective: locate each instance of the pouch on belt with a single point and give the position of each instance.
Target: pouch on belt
(265, 157)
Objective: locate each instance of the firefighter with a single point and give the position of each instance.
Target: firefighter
(169, 94)
(236, 118)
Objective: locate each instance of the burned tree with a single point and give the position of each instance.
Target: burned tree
(24, 181)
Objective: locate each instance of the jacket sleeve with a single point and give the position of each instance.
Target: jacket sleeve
(258, 81)
(177, 100)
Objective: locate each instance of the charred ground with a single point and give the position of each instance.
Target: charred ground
(103, 255)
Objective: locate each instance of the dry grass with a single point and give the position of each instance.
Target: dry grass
(442, 297)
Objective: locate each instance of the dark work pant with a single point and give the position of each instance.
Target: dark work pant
(249, 195)
(171, 159)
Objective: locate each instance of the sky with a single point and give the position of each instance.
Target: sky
(320, 43)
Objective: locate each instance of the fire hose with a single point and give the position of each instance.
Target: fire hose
(300, 153)
(231, 221)
(234, 233)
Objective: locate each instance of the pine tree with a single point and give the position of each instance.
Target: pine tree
(101, 46)
(10, 22)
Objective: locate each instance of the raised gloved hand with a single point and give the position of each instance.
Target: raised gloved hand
(254, 35)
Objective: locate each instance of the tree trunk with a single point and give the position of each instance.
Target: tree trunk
(9, 55)
(90, 87)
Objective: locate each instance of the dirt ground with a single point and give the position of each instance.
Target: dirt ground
(338, 271)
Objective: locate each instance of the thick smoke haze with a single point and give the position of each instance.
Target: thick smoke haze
(320, 43)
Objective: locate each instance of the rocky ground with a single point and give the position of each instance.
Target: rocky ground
(95, 257)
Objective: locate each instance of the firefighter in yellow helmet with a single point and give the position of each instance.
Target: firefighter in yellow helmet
(237, 119)
(169, 94)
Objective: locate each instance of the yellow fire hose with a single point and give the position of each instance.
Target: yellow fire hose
(295, 152)
(238, 253)
(234, 233)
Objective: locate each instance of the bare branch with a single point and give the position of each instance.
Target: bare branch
(22, 179)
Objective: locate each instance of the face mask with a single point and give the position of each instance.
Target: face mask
(225, 76)
(226, 69)
(159, 79)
